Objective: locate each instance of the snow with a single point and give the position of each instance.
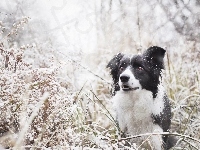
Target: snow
(63, 47)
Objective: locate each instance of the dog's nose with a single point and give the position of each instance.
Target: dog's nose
(124, 78)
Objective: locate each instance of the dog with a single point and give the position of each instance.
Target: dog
(139, 98)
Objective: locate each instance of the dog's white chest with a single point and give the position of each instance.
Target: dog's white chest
(134, 111)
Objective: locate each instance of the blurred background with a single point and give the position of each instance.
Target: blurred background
(61, 48)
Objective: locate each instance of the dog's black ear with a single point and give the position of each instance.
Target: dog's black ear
(155, 55)
(114, 65)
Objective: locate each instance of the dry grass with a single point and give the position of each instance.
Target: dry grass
(40, 107)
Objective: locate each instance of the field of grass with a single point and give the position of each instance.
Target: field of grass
(41, 108)
(52, 100)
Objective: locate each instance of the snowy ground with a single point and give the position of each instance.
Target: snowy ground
(55, 88)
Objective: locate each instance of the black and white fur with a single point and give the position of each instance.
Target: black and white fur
(140, 101)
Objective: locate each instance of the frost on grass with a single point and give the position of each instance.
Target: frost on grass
(66, 118)
(75, 118)
(80, 117)
(182, 84)
(21, 88)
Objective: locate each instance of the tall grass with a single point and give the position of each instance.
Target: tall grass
(40, 106)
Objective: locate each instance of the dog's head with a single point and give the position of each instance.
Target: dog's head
(137, 72)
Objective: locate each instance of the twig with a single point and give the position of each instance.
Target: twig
(85, 68)
(162, 133)
(193, 95)
(29, 121)
(95, 102)
(79, 92)
(146, 140)
(190, 144)
(112, 118)
(139, 29)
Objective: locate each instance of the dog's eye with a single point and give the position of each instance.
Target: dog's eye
(140, 68)
(121, 68)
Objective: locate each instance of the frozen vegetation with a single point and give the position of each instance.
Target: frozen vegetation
(54, 85)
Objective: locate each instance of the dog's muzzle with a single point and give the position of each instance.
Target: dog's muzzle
(125, 86)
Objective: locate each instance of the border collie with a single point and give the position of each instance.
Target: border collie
(140, 101)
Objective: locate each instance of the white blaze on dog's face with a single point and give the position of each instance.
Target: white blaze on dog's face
(128, 82)
(145, 68)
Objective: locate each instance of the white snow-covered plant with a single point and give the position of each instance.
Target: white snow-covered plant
(39, 106)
